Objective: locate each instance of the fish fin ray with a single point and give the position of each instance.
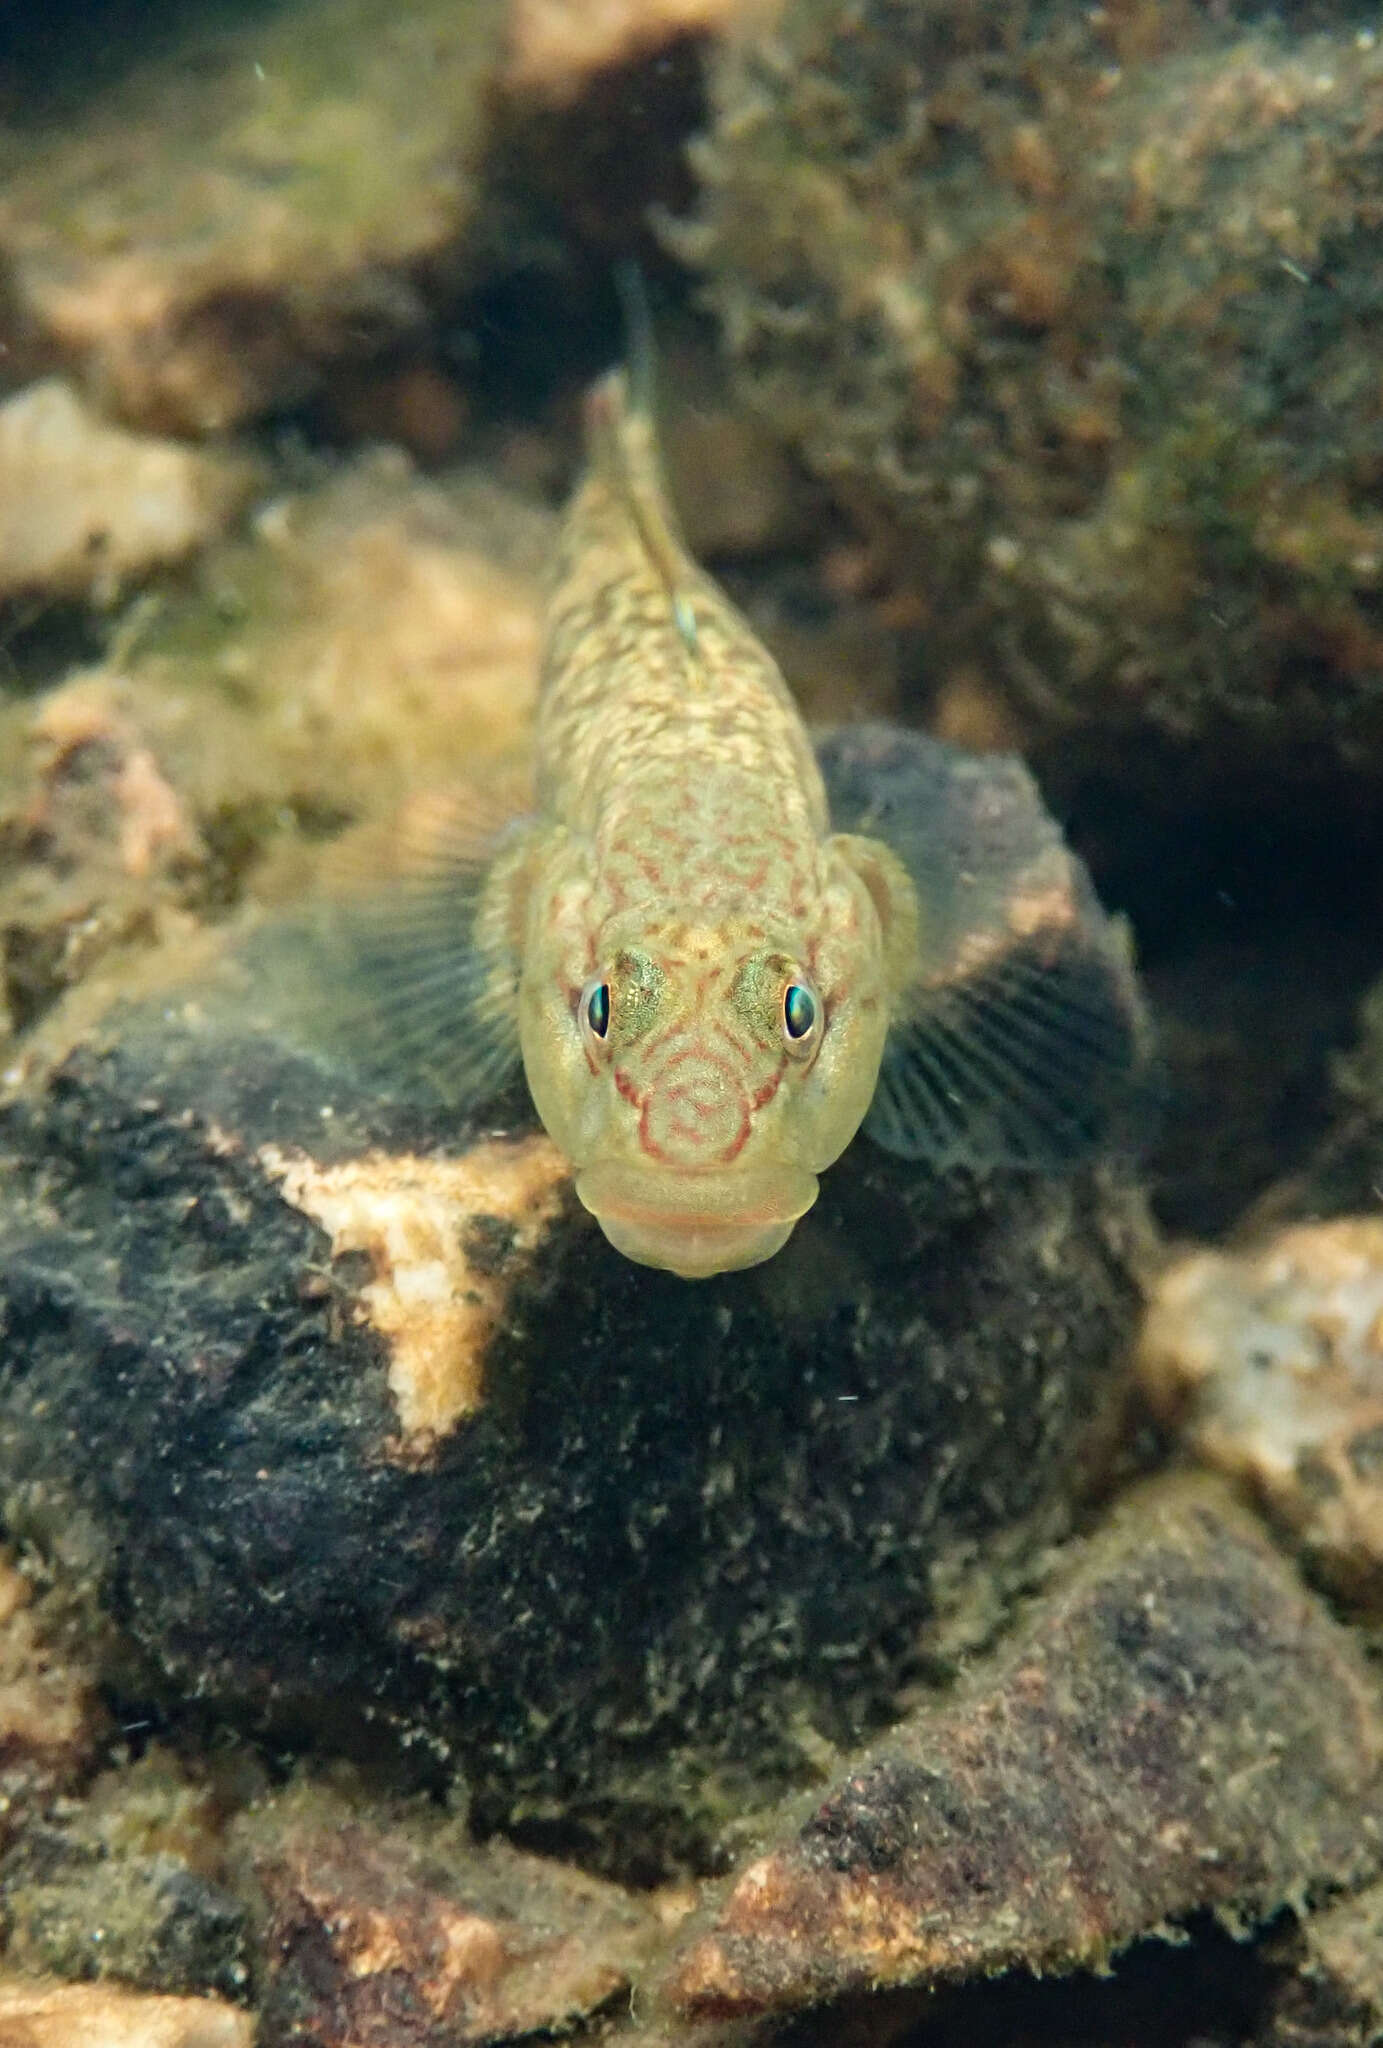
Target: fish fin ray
(622, 447)
(1019, 1036)
(401, 967)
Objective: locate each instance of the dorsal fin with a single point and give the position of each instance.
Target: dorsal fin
(622, 445)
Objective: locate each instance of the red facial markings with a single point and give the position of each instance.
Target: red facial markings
(695, 1112)
(735, 1046)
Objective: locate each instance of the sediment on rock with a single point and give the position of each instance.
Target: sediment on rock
(1269, 1363)
(251, 203)
(671, 1536)
(1059, 304)
(1181, 1727)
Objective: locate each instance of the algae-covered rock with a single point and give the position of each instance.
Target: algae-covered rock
(86, 508)
(372, 634)
(644, 1547)
(124, 1882)
(98, 854)
(1271, 1363)
(1334, 1996)
(258, 198)
(1179, 1727)
(414, 1933)
(1062, 300)
(556, 46)
(50, 1721)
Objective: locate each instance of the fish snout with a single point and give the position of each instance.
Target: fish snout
(695, 1112)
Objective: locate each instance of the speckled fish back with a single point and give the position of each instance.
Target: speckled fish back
(665, 731)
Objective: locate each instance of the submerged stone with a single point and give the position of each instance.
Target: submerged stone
(255, 200)
(1270, 1361)
(1334, 1996)
(376, 1935)
(50, 1721)
(647, 1546)
(34, 2015)
(1181, 1727)
(1060, 300)
(372, 633)
(124, 1881)
(89, 508)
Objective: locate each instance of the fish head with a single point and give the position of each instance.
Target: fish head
(700, 1077)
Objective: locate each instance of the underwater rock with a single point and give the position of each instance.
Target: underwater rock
(417, 405)
(1073, 308)
(556, 46)
(1334, 1998)
(1181, 1726)
(249, 202)
(98, 855)
(655, 1543)
(1270, 1362)
(372, 635)
(737, 492)
(148, 1921)
(102, 2016)
(123, 1881)
(86, 508)
(49, 1716)
(372, 1938)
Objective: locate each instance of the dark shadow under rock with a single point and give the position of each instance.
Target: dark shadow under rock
(338, 1451)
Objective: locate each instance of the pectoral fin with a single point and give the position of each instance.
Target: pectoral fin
(408, 966)
(1018, 1033)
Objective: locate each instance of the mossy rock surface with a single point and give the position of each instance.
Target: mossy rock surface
(1062, 301)
(673, 1535)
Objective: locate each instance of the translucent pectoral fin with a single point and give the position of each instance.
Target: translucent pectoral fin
(1029, 1062)
(407, 968)
(1018, 1035)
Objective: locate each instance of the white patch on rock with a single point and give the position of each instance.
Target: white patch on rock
(435, 1303)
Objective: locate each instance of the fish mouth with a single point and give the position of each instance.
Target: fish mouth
(696, 1225)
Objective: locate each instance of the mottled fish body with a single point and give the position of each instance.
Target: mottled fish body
(713, 970)
(690, 897)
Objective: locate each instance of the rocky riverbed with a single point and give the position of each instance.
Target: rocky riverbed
(419, 1625)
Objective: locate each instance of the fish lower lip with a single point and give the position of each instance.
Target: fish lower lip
(693, 1225)
(711, 1204)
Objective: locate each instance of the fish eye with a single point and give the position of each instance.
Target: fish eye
(594, 1007)
(800, 1013)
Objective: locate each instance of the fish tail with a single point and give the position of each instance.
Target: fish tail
(640, 352)
(622, 450)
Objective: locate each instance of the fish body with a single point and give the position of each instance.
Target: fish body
(713, 966)
(685, 866)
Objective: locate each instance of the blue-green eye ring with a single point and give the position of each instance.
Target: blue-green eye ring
(595, 1006)
(799, 1012)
